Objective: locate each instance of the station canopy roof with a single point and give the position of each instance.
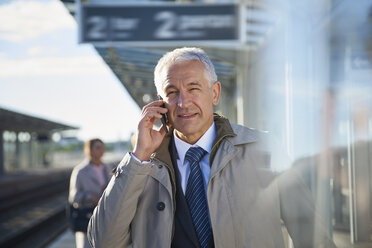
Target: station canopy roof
(135, 66)
(18, 122)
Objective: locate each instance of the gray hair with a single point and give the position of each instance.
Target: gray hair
(183, 55)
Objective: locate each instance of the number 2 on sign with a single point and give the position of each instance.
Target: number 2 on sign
(97, 26)
(169, 20)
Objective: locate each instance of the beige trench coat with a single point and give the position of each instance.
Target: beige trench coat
(246, 201)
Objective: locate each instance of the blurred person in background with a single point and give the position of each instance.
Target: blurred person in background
(87, 183)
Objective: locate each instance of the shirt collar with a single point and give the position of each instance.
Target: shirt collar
(205, 142)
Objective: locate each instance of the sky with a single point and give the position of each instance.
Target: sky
(44, 72)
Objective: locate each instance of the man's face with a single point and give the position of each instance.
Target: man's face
(190, 99)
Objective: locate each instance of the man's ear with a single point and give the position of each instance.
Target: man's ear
(216, 91)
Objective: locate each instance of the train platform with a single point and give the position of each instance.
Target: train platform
(65, 240)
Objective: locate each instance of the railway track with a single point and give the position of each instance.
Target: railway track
(32, 208)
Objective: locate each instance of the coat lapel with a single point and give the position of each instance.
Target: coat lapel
(163, 156)
(224, 154)
(224, 146)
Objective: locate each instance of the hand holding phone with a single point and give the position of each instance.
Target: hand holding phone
(148, 138)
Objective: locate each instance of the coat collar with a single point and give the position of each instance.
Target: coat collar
(239, 134)
(236, 134)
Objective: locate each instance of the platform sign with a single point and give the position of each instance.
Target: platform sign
(157, 23)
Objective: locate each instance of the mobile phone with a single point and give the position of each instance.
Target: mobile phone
(164, 118)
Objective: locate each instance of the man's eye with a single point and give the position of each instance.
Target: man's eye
(171, 93)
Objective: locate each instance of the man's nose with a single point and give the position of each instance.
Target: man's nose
(183, 100)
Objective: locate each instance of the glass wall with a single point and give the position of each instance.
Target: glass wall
(312, 88)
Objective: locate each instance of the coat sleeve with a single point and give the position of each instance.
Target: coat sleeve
(110, 223)
(77, 194)
(298, 212)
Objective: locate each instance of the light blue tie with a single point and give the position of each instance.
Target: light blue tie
(196, 197)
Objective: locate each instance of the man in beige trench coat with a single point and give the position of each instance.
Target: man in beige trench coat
(205, 183)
